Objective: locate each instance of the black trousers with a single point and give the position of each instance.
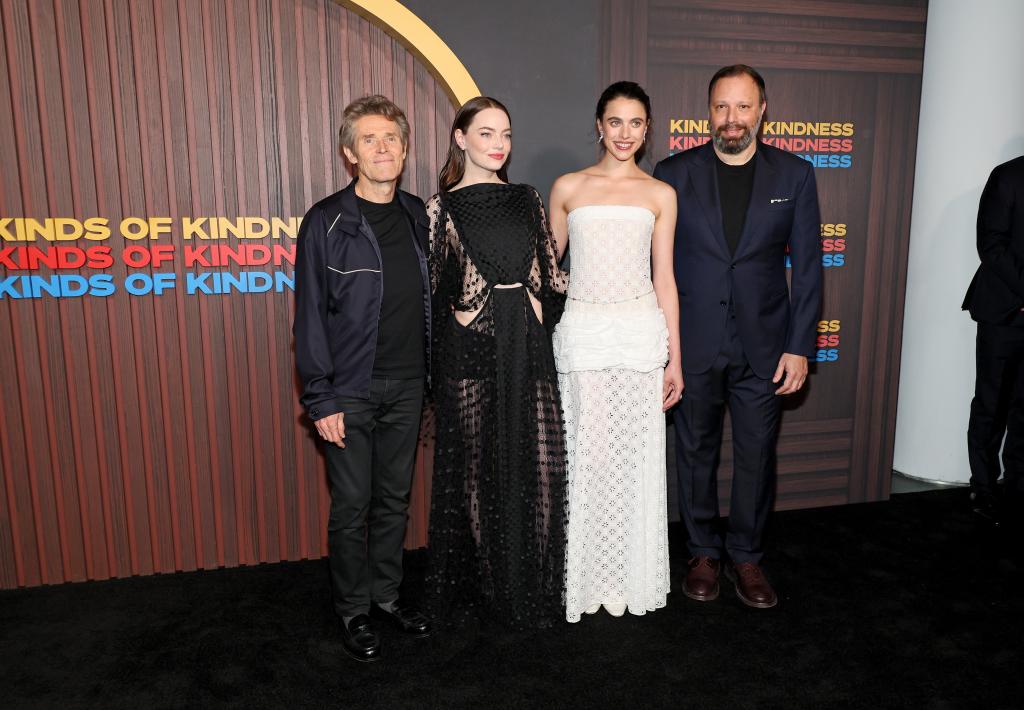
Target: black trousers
(369, 481)
(754, 411)
(997, 409)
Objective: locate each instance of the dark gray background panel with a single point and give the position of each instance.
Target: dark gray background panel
(539, 59)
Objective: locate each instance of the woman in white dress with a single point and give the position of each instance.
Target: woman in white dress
(617, 355)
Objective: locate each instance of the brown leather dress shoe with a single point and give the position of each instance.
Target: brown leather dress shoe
(752, 587)
(701, 581)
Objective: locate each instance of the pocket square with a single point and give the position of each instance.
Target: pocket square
(778, 199)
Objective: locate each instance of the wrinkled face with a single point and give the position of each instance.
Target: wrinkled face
(378, 153)
(487, 140)
(735, 113)
(624, 126)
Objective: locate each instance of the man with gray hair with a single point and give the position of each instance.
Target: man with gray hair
(362, 298)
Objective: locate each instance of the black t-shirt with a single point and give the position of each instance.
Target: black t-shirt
(735, 183)
(400, 332)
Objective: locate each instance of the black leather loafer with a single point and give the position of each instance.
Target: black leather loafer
(406, 617)
(360, 639)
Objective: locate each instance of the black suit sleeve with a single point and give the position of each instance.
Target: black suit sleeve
(995, 216)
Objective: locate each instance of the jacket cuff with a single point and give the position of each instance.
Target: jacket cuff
(324, 409)
(794, 348)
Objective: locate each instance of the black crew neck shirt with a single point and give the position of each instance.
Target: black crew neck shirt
(735, 183)
(400, 331)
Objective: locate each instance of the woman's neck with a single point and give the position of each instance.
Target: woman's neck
(612, 167)
(475, 175)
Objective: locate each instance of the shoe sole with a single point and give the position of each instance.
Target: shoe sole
(755, 605)
(361, 659)
(702, 597)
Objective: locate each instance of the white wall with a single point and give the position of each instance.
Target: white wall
(972, 119)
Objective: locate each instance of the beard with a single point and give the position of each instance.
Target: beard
(733, 146)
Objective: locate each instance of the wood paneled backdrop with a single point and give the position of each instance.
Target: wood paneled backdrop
(154, 434)
(823, 60)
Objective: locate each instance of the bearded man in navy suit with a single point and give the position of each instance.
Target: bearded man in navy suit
(746, 335)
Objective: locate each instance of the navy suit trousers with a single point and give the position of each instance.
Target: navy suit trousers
(754, 412)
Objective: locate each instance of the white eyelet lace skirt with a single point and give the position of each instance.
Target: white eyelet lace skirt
(610, 360)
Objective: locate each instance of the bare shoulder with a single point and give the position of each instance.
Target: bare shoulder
(660, 190)
(661, 194)
(570, 182)
(567, 189)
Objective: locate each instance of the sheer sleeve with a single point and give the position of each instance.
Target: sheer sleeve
(547, 253)
(547, 279)
(438, 242)
(443, 282)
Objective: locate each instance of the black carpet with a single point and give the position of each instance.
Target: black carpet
(904, 604)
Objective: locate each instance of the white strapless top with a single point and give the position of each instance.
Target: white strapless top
(612, 319)
(610, 253)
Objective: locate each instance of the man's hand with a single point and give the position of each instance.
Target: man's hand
(332, 427)
(794, 367)
(672, 386)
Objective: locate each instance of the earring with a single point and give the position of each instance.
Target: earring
(600, 136)
(645, 136)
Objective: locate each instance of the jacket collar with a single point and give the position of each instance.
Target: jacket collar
(414, 209)
(350, 218)
(760, 194)
(705, 185)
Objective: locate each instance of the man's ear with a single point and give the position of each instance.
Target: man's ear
(349, 155)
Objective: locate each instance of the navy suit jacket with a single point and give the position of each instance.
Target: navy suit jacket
(771, 317)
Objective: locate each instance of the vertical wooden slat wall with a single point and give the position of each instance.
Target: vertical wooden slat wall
(145, 434)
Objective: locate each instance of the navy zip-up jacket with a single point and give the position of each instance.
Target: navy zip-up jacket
(339, 286)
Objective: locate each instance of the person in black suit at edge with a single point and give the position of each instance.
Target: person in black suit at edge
(745, 335)
(995, 300)
(362, 320)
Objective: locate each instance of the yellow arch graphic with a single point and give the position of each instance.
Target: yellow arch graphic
(422, 41)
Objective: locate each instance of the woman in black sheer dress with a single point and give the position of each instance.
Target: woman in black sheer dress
(497, 526)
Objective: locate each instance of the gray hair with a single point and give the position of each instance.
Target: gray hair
(375, 105)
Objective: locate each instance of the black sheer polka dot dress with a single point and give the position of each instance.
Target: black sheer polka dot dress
(497, 520)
